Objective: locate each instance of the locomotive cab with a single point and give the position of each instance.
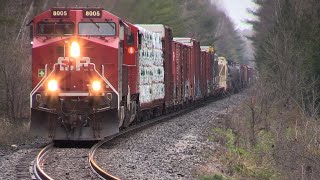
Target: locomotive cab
(78, 83)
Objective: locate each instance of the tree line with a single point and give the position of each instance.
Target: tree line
(201, 20)
(278, 130)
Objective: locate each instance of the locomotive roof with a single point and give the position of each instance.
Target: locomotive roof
(78, 8)
(75, 8)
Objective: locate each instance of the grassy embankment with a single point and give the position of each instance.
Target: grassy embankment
(266, 143)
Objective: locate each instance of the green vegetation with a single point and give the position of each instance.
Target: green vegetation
(243, 162)
(146, 12)
(213, 177)
(274, 134)
(295, 29)
(187, 18)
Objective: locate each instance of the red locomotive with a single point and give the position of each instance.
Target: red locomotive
(94, 73)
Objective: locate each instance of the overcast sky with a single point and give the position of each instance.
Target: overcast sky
(237, 10)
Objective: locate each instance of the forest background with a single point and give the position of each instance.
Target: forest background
(188, 18)
(274, 134)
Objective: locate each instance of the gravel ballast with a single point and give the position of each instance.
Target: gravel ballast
(68, 163)
(9, 162)
(15, 160)
(173, 149)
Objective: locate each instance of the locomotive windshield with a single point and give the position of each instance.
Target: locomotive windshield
(55, 28)
(97, 28)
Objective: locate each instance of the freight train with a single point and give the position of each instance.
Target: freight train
(94, 73)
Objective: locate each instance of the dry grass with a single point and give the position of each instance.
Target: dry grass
(13, 134)
(285, 142)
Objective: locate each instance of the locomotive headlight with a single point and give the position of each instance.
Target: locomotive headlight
(96, 85)
(75, 49)
(53, 85)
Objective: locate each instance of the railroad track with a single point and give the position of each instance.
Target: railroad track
(103, 174)
(25, 166)
(38, 172)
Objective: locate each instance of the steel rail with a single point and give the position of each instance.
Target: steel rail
(103, 174)
(37, 167)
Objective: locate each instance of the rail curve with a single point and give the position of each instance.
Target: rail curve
(103, 174)
(37, 168)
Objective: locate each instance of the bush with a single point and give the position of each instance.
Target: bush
(13, 134)
(249, 163)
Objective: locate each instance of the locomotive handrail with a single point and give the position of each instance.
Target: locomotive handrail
(102, 69)
(135, 59)
(41, 82)
(109, 84)
(44, 79)
(106, 81)
(45, 74)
